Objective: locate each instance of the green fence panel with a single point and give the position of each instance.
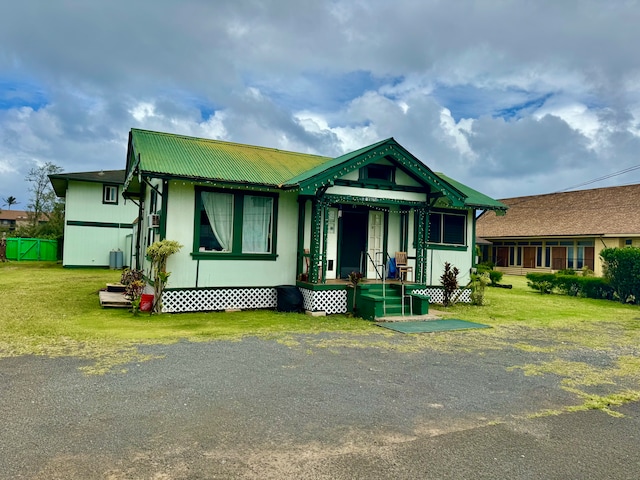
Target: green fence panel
(32, 249)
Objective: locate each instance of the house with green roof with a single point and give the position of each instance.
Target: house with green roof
(253, 219)
(98, 220)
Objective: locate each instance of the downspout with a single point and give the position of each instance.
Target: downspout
(139, 232)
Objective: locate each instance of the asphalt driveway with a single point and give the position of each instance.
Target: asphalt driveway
(267, 409)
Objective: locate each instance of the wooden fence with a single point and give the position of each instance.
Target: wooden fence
(25, 249)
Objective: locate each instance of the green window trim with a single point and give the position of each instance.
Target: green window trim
(238, 209)
(440, 225)
(440, 246)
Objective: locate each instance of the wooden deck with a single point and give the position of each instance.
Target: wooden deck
(113, 300)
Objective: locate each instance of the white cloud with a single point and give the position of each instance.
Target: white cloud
(510, 96)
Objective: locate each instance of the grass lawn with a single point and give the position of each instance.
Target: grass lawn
(48, 310)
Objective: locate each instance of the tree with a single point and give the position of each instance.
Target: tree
(9, 201)
(43, 198)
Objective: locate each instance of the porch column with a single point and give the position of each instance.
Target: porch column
(421, 247)
(317, 233)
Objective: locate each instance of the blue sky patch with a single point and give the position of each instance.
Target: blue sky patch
(468, 101)
(21, 93)
(319, 90)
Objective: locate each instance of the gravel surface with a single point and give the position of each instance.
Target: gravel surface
(261, 409)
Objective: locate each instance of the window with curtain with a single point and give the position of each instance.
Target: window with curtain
(238, 224)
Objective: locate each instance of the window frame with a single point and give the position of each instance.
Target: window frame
(365, 177)
(441, 227)
(106, 187)
(238, 210)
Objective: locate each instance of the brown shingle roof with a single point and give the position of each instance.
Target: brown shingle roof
(600, 211)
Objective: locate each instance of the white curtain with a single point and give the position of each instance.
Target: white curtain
(256, 224)
(219, 208)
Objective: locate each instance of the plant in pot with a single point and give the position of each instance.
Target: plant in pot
(354, 279)
(158, 253)
(134, 283)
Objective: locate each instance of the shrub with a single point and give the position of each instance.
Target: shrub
(566, 271)
(478, 284)
(622, 269)
(495, 276)
(543, 282)
(449, 281)
(574, 285)
(482, 268)
(567, 283)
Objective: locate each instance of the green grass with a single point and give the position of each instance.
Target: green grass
(48, 310)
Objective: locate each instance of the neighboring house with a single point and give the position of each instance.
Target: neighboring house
(252, 219)
(98, 220)
(12, 219)
(561, 230)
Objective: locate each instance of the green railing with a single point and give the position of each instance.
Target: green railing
(25, 249)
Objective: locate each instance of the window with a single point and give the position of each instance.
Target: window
(448, 229)
(110, 194)
(235, 224)
(377, 173)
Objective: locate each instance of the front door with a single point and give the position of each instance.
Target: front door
(353, 240)
(376, 258)
(529, 254)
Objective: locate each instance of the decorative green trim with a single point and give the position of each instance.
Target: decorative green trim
(233, 256)
(86, 267)
(439, 246)
(238, 209)
(184, 289)
(80, 223)
(321, 286)
(378, 186)
(389, 150)
(333, 199)
(316, 220)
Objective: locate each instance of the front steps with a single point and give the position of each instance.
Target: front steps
(376, 300)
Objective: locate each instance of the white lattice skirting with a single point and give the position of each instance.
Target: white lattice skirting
(328, 301)
(175, 301)
(462, 295)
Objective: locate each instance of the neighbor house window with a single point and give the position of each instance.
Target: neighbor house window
(110, 194)
(447, 229)
(235, 223)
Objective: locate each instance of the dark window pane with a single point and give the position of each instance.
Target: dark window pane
(435, 227)
(453, 229)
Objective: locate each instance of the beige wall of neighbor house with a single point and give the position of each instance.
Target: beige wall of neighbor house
(562, 230)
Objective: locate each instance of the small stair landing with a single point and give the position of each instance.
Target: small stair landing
(113, 297)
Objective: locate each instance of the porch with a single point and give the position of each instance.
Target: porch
(374, 299)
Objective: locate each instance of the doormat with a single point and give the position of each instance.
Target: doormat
(429, 326)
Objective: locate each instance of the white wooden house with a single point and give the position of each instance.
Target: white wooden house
(252, 219)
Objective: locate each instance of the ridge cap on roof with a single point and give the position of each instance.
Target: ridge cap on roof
(584, 190)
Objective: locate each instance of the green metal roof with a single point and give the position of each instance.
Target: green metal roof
(198, 158)
(168, 155)
(474, 198)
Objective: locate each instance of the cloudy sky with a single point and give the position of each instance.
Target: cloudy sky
(512, 97)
